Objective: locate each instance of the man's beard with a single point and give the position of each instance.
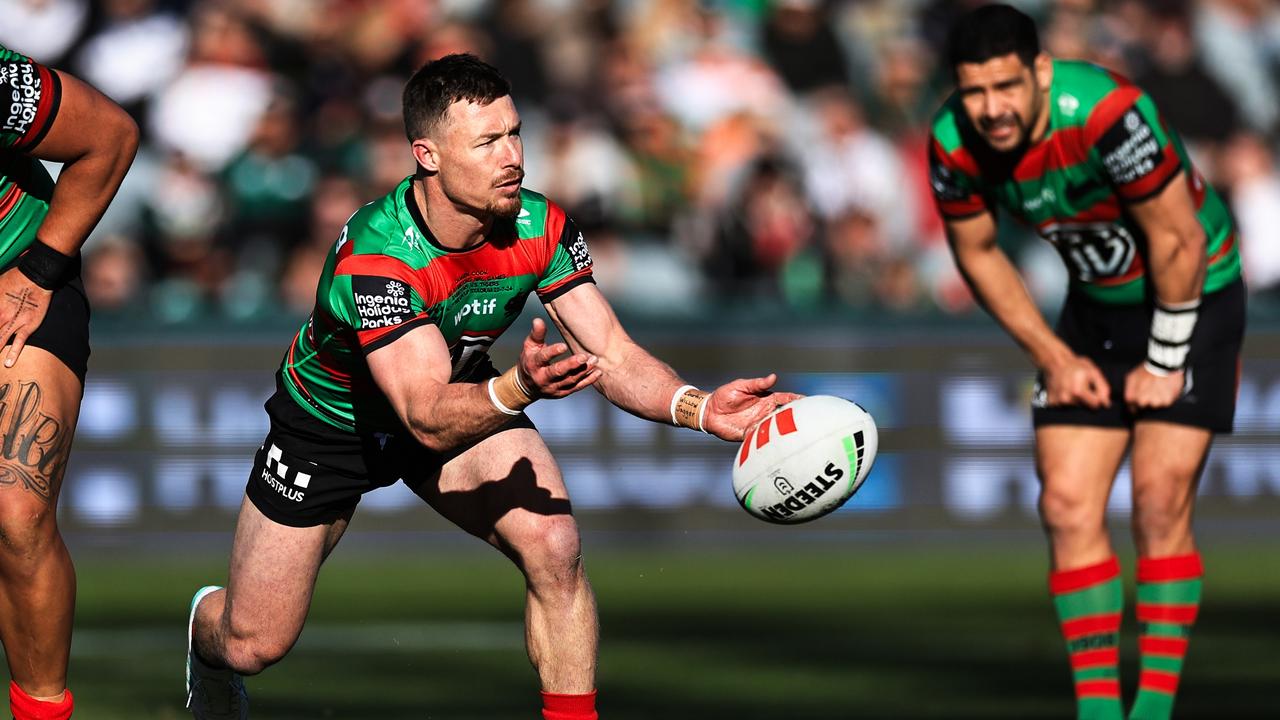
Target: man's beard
(505, 208)
(1022, 128)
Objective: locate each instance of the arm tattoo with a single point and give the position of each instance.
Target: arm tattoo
(33, 444)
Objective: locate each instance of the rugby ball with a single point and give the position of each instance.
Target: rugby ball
(805, 460)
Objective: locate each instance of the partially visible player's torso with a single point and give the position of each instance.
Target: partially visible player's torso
(1105, 146)
(29, 97)
(387, 275)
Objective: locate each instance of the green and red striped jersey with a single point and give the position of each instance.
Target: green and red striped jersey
(387, 275)
(29, 98)
(1106, 146)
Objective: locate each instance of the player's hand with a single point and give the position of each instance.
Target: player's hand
(547, 377)
(1144, 390)
(738, 406)
(23, 305)
(1076, 381)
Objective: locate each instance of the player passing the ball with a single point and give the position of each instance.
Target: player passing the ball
(390, 380)
(1145, 356)
(44, 332)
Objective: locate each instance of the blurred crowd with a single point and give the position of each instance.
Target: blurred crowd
(717, 153)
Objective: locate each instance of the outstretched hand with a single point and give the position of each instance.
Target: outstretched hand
(738, 406)
(23, 305)
(547, 377)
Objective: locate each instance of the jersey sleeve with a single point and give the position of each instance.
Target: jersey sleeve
(379, 297)
(953, 177)
(1132, 145)
(29, 97)
(570, 261)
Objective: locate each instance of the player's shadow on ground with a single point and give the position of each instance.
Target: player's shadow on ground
(478, 511)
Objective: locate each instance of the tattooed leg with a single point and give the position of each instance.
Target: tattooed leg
(35, 445)
(39, 405)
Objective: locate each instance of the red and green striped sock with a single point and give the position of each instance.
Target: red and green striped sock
(1089, 601)
(1168, 600)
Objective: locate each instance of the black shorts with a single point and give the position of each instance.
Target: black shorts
(1115, 338)
(65, 330)
(310, 473)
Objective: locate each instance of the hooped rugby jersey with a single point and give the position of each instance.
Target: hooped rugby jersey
(29, 98)
(387, 275)
(1106, 146)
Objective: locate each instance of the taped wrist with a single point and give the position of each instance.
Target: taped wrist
(44, 266)
(509, 393)
(1171, 327)
(688, 407)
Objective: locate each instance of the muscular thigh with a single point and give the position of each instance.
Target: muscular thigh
(1079, 461)
(1165, 452)
(273, 573)
(39, 406)
(498, 487)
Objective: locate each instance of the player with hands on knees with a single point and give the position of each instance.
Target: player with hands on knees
(1144, 358)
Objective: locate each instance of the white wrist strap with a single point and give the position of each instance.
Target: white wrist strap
(675, 399)
(493, 398)
(1170, 341)
(702, 412)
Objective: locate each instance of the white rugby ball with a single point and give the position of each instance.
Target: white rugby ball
(805, 460)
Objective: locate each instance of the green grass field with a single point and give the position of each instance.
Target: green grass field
(863, 630)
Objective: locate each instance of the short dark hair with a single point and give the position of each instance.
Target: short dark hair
(992, 31)
(441, 83)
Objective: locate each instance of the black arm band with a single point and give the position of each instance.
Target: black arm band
(44, 266)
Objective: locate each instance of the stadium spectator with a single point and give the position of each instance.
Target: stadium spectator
(1250, 174)
(210, 110)
(139, 48)
(801, 44)
(1172, 73)
(48, 29)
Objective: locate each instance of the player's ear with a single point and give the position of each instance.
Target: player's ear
(427, 153)
(1043, 68)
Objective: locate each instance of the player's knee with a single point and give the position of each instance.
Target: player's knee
(1066, 512)
(552, 551)
(251, 648)
(1161, 509)
(28, 530)
(250, 655)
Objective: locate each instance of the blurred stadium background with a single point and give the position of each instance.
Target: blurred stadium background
(751, 178)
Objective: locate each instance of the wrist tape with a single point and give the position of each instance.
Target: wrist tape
(1171, 327)
(689, 407)
(508, 392)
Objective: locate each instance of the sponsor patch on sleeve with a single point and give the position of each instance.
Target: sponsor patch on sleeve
(1130, 150)
(946, 186)
(381, 301)
(581, 256)
(575, 244)
(22, 88)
